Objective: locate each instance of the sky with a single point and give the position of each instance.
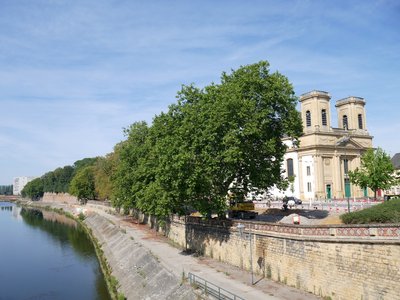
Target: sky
(73, 74)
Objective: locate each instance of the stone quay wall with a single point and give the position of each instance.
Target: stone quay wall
(335, 262)
(140, 274)
(60, 197)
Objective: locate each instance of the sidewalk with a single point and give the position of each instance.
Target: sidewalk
(223, 275)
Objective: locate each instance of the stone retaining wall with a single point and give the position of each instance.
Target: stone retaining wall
(60, 197)
(336, 262)
(139, 273)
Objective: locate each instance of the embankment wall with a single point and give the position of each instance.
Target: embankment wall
(335, 262)
(139, 273)
(59, 197)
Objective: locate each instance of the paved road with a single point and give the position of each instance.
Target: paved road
(225, 276)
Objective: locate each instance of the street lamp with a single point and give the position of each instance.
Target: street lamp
(240, 227)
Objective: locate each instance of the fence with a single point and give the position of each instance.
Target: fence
(211, 289)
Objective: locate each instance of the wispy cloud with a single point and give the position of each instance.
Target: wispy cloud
(72, 74)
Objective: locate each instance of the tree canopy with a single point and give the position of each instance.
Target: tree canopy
(56, 181)
(224, 136)
(6, 189)
(82, 185)
(376, 171)
(33, 189)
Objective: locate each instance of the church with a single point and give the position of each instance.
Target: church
(318, 166)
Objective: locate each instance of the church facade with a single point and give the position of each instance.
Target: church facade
(318, 166)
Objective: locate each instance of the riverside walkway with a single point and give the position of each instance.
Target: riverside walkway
(179, 263)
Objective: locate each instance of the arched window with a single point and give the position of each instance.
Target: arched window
(308, 118)
(323, 115)
(360, 121)
(345, 123)
(289, 165)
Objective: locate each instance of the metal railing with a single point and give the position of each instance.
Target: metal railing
(211, 289)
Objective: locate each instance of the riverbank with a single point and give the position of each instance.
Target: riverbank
(44, 250)
(131, 269)
(133, 250)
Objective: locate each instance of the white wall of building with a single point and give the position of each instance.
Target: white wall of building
(20, 182)
(307, 163)
(295, 186)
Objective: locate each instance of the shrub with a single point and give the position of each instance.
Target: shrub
(387, 212)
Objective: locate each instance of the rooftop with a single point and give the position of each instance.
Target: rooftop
(350, 99)
(396, 161)
(313, 94)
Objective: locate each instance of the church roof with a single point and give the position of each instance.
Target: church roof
(396, 161)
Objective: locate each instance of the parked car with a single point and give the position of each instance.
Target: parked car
(297, 201)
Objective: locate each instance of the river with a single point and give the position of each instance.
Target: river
(44, 255)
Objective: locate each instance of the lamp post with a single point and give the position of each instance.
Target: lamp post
(241, 228)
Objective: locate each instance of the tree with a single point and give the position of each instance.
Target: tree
(82, 185)
(376, 171)
(230, 135)
(6, 189)
(132, 173)
(225, 136)
(103, 170)
(33, 189)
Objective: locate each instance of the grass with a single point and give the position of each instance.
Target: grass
(386, 212)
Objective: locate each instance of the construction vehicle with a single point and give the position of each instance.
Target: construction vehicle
(239, 208)
(242, 210)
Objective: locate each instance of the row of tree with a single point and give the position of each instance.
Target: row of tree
(225, 137)
(74, 180)
(6, 189)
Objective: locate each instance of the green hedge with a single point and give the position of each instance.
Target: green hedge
(387, 212)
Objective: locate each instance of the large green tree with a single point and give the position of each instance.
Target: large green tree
(33, 189)
(376, 171)
(82, 185)
(133, 173)
(103, 170)
(224, 136)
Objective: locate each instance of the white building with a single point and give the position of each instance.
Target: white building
(20, 182)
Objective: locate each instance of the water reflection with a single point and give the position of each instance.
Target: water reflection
(47, 254)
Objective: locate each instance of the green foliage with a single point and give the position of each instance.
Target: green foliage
(376, 171)
(387, 212)
(57, 181)
(82, 185)
(6, 189)
(224, 134)
(81, 216)
(226, 137)
(133, 168)
(33, 189)
(103, 170)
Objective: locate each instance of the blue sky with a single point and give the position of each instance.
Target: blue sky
(74, 73)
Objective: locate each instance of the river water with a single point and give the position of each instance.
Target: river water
(44, 255)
